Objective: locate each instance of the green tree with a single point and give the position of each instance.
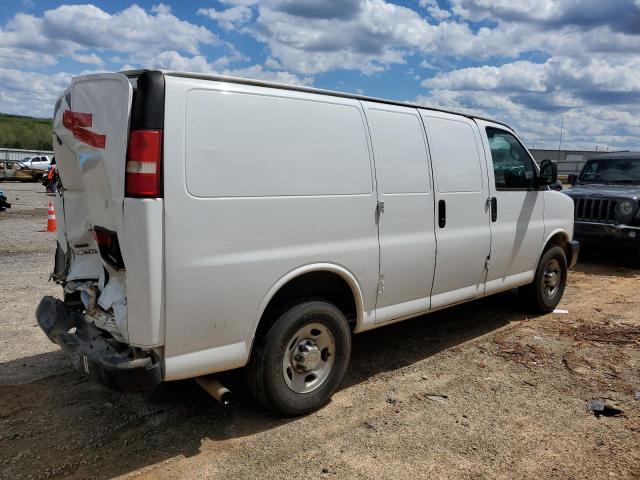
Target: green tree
(25, 132)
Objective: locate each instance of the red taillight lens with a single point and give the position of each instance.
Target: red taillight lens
(144, 157)
(103, 239)
(108, 246)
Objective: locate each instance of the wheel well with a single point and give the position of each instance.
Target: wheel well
(325, 285)
(561, 240)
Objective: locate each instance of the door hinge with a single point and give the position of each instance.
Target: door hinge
(487, 263)
(381, 284)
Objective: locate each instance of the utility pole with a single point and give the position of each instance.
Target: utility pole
(560, 143)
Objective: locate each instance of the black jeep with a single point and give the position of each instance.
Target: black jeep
(606, 194)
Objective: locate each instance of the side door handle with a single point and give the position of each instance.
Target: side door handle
(442, 213)
(494, 209)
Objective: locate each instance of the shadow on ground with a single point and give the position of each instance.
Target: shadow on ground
(65, 425)
(593, 258)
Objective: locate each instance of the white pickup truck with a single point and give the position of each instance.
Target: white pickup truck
(40, 162)
(208, 223)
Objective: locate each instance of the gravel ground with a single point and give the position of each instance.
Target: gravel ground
(477, 391)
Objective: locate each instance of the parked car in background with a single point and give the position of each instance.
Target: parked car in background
(187, 249)
(36, 167)
(606, 194)
(12, 170)
(40, 162)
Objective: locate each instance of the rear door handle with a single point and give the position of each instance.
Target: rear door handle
(494, 209)
(442, 213)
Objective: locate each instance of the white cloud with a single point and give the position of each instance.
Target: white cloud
(546, 58)
(260, 73)
(73, 30)
(597, 98)
(161, 8)
(366, 36)
(618, 15)
(434, 10)
(245, 3)
(29, 93)
(316, 36)
(523, 75)
(20, 57)
(228, 19)
(172, 60)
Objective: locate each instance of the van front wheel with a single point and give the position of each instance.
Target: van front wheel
(299, 362)
(547, 288)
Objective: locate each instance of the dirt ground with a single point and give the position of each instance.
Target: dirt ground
(477, 391)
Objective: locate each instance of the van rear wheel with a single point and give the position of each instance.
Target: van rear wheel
(547, 288)
(299, 362)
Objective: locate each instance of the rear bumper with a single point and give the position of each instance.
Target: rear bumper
(573, 249)
(90, 353)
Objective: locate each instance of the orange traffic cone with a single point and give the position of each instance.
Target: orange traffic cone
(51, 218)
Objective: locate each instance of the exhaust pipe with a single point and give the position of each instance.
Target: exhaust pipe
(214, 388)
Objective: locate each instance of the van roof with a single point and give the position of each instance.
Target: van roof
(319, 91)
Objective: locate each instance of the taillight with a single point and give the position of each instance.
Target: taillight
(144, 159)
(108, 246)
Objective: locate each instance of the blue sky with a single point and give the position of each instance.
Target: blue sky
(532, 63)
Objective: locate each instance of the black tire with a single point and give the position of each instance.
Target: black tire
(537, 296)
(264, 373)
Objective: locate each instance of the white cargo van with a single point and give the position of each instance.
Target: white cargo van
(210, 223)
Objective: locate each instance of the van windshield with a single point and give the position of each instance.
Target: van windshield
(611, 171)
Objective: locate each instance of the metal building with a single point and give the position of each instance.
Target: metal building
(569, 161)
(15, 155)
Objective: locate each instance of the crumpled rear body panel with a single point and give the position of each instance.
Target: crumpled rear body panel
(91, 125)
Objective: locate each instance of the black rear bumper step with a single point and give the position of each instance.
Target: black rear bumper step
(90, 353)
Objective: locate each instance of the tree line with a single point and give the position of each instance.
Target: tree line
(25, 132)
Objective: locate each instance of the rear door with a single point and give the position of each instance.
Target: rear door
(91, 123)
(91, 126)
(462, 214)
(405, 217)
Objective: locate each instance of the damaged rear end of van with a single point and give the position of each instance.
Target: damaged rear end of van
(107, 137)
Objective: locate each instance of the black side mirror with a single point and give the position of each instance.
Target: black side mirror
(572, 178)
(548, 173)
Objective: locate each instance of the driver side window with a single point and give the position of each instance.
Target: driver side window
(512, 166)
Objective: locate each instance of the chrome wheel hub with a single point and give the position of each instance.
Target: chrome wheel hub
(308, 358)
(551, 278)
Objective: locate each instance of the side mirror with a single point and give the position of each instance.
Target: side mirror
(572, 178)
(557, 186)
(548, 173)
